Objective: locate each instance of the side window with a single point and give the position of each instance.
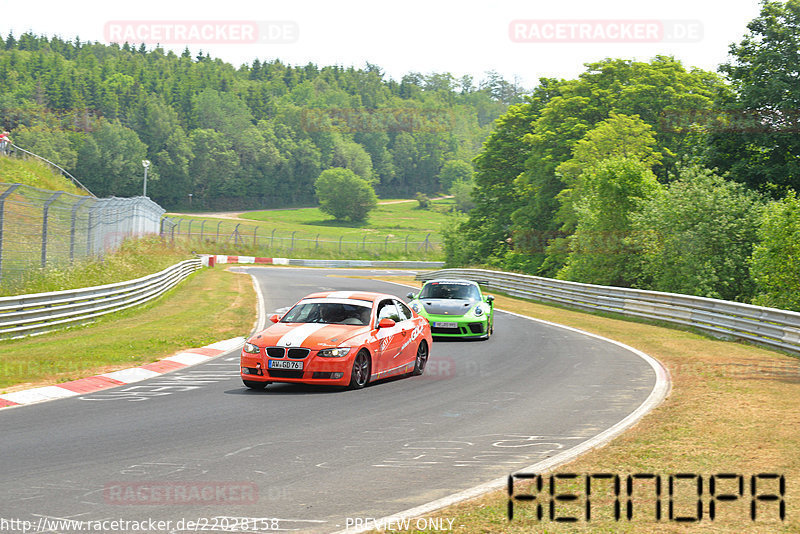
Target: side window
(403, 311)
(387, 310)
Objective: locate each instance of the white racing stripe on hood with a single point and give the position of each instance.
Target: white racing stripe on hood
(298, 335)
(341, 294)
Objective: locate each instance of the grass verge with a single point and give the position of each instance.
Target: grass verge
(209, 306)
(133, 259)
(734, 408)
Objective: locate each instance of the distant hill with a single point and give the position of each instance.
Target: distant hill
(35, 173)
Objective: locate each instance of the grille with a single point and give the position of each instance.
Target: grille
(476, 328)
(440, 330)
(298, 354)
(275, 352)
(285, 373)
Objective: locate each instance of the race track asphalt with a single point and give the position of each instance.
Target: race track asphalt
(195, 445)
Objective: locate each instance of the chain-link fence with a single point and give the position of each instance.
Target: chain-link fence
(287, 242)
(40, 228)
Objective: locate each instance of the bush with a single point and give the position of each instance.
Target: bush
(776, 257)
(344, 195)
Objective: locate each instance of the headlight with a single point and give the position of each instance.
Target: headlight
(415, 306)
(251, 348)
(334, 353)
(478, 311)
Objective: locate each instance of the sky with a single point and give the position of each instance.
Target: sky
(521, 40)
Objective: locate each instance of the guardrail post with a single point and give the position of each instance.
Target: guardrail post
(3, 198)
(75, 209)
(45, 214)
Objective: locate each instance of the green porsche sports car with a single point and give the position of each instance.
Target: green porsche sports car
(455, 308)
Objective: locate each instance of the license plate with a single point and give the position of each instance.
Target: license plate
(445, 325)
(285, 364)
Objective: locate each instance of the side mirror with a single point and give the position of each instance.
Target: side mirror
(410, 295)
(386, 323)
(274, 317)
(489, 298)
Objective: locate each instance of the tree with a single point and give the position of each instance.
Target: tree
(110, 161)
(757, 139)
(462, 194)
(777, 255)
(454, 171)
(344, 195)
(599, 252)
(618, 136)
(696, 236)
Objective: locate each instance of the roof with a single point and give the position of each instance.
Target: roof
(352, 295)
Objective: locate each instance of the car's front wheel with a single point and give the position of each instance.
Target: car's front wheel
(255, 385)
(359, 376)
(422, 359)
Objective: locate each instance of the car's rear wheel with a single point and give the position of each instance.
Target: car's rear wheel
(255, 385)
(422, 359)
(359, 376)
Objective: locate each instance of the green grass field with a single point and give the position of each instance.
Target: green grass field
(393, 231)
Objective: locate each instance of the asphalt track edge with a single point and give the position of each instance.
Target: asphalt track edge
(657, 395)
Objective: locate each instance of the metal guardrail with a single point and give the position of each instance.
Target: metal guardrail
(26, 315)
(720, 318)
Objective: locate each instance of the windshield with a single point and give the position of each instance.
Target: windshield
(450, 290)
(328, 312)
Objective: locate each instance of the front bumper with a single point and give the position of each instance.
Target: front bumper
(466, 326)
(316, 370)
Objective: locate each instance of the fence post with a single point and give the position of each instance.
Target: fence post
(272, 238)
(189, 232)
(386, 244)
(255, 238)
(340, 243)
(217, 241)
(317, 245)
(364, 243)
(202, 227)
(236, 234)
(427, 242)
(44, 224)
(3, 198)
(75, 209)
(292, 245)
(407, 236)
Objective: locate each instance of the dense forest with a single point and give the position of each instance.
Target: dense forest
(652, 175)
(224, 137)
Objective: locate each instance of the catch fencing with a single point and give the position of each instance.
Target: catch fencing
(289, 242)
(26, 315)
(40, 228)
(720, 318)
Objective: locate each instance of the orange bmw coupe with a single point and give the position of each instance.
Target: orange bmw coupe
(340, 338)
